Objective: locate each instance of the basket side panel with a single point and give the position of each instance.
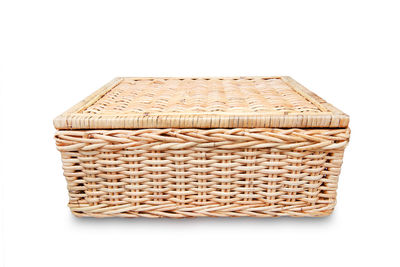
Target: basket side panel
(330, 179)
(192, 172)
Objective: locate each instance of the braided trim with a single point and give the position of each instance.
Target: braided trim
(164, 139)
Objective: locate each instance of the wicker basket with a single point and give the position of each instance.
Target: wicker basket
(185, 147)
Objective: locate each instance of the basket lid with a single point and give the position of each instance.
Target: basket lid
(234, 102)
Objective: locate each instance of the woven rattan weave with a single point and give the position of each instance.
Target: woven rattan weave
(185, 147)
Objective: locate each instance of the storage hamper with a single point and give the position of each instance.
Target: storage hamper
(189, 147)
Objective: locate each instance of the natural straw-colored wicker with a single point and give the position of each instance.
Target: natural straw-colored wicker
(184, 147)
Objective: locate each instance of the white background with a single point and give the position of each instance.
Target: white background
(53, 54)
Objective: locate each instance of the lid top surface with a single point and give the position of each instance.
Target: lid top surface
(247, 102)
(186, 96)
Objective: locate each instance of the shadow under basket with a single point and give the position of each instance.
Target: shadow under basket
(190, 147)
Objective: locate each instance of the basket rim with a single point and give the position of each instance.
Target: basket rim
(327, 117)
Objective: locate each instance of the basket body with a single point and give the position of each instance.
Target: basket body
(123, 166)
(193, 172)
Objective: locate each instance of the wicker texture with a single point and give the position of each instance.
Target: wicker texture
(243, 102)
(188, 96)
(189, 147)
(194, 172)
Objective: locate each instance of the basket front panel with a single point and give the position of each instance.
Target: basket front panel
(191, 172)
